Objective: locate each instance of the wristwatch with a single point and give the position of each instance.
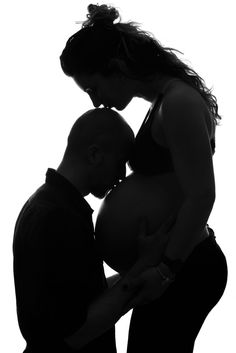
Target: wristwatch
(166, 274)
(174, 265)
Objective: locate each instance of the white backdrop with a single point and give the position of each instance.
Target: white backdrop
(39, 105)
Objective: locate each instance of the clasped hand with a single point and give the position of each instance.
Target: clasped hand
(143, 279)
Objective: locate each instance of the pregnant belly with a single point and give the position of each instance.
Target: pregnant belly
(138, 197)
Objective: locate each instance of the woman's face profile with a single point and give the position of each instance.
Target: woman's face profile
(113, 91)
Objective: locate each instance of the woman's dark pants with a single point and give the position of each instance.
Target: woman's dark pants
(172, 323)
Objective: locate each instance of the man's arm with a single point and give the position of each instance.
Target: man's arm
(103, 313)
(116, 301)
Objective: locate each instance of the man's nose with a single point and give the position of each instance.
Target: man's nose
(122, 172)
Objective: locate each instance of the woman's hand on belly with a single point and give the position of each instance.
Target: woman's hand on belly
(143, 278)
(151, 247)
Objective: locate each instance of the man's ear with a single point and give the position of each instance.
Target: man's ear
(95, 155)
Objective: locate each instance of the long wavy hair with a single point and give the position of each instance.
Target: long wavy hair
(105, 46)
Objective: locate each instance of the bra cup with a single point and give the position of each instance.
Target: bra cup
(148, 157)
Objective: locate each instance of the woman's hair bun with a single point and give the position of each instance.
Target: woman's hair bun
(101, 15)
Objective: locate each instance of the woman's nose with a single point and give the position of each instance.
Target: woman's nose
(95, 100)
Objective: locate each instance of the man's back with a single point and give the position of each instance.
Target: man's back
(56, 267)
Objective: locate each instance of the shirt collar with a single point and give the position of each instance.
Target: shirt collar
(55, 179)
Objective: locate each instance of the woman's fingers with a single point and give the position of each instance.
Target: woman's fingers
(168, 224)
(164, 228)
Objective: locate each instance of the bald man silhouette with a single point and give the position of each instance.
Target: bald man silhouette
(62, 295)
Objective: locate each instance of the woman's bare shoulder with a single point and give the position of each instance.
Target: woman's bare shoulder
(185, 102)
(182, 93)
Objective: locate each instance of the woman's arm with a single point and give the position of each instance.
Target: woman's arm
(187, 135)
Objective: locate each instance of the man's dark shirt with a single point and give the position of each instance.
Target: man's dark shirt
(57, 269)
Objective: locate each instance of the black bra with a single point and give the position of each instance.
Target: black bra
(148, 157)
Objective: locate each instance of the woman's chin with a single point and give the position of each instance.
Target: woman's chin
(121, 106)
(99, 194)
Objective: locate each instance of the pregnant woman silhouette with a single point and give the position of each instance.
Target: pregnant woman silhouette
(172, 175)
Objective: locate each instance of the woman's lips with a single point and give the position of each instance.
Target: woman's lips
(107, 105)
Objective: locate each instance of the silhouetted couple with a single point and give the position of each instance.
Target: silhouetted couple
(178, 272)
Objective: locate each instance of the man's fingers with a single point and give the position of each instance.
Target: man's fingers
(166, 226)
(142, 232)
(138, 301)
(133, 284)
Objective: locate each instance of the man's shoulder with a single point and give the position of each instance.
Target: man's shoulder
(45, 209)
(44, 224)
(46, 201)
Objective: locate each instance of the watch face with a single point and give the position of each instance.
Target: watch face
(174, 265)
(165, 272)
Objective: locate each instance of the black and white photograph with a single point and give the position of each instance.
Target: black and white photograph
(118, 177)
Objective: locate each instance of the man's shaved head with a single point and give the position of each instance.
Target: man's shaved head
(99, 145)
(101, 126)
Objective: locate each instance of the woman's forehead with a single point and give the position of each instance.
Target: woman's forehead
(84, 81)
